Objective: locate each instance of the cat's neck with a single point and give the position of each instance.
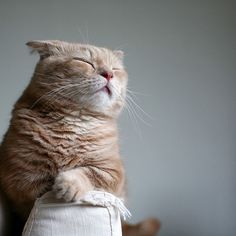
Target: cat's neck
(80, 116)
(59, 109)
(86, 120)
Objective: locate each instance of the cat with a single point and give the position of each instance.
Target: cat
(63, 132)
(148, 227)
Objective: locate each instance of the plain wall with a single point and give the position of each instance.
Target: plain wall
(181, 59)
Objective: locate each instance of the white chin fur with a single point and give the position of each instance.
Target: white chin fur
(101, 100)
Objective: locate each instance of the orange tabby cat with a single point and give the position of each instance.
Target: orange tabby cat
(63, 132)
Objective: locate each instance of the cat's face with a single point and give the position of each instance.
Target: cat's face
(91, 77)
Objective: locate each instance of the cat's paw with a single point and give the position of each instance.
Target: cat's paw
(69, 186)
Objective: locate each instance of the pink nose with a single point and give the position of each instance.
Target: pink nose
(107, 75)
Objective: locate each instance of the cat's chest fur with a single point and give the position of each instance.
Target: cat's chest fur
(70, 138)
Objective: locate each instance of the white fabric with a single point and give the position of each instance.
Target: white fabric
(97, 213)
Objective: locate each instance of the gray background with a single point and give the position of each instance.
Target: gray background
(181, 58)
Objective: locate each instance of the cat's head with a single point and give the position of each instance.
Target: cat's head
(86, 76)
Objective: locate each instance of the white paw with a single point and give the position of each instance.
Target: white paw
(69, 186)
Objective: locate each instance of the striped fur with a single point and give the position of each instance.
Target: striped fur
(62, 142)
(63, 132)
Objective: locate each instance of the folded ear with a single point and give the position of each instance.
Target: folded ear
(45, 48)
(119, 54)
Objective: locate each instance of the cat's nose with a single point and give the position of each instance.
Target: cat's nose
(107, 75)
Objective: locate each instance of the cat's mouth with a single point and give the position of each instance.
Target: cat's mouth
(105, 89)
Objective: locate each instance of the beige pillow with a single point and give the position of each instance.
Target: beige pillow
(97, 213)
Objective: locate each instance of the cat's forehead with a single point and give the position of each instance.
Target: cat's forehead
(61, 49)
(90, 51)
(99, 54)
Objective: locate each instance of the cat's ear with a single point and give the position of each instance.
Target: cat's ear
(44, 48)
(119, 54)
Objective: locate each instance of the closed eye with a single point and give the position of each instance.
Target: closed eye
(85, 61)
(116, 68)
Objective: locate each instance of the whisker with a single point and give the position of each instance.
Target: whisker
(45, 95)
(52, 97)
(136, 93)
(139, 107)
(137, 114)
(52, 93)
(132, 115)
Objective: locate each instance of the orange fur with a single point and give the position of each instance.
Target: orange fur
(148, 227)
(48, 140)
(63, 132)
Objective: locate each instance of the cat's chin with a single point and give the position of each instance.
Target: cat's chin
(102, 102)
(101, 99)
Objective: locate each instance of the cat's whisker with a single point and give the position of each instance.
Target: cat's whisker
(70, 94)
(134, 121)
(83, 38)
(135, 93)
(54, 83)
(76, 89)
(44, 95)
(87, 35)
(130, 106)
(54, 97)
(136, 112)
(132, 115)
(139, 107)
(75, 93)
(52, 93)
(139, 112)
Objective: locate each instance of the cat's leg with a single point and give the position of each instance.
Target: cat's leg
(22, 187)
(20, 191)
(148, 227)
(72, 184)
